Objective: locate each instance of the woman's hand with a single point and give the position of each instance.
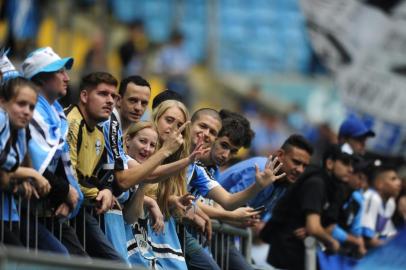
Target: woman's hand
(175, 140)
(157, 217)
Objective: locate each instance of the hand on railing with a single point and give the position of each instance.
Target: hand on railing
(62, 211)
(4, 179)
(41, 184)
(26, 189)
(333, 246)
(361, 247)
(300, 233)
(104, 201)
(73, 197)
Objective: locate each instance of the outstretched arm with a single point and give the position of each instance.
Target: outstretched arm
(136, 175)
(262, 180)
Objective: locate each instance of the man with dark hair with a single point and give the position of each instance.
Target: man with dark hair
(294, 154)
(206, 127)
(380, 205)
(309, 207)
(135, 93)
(204, 172)
(88, 154)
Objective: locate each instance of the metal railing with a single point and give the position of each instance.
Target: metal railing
(34, 212)
(224, 235)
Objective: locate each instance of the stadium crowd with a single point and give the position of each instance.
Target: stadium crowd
(143, 177)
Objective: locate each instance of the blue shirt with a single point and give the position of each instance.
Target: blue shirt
(200, 180)
(240, 176)
(116, 157)
(11, 156)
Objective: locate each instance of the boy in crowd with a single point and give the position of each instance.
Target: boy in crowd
(235, 133)
(354, 133)
(87, 151)
(311, 204)
(380, 206)
(348, 230)
(225, 133)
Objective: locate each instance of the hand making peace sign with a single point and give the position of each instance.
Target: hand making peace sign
(175, 139)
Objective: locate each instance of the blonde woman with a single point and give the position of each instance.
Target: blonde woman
(171, 117)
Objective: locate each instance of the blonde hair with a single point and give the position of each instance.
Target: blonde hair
(135, 128)
(176, 184)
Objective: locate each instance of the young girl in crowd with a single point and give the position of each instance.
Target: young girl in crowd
(17, 100)
(140, 142)
(143, 236)
(170, 118)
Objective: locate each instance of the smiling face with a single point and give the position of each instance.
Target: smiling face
(294, 162)
(171, 120)
(98, 102)
(142, 145)
(21, 107)
(205, 128)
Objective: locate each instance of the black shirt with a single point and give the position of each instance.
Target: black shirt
(314, 192)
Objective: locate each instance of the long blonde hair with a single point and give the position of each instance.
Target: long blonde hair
(176, 184)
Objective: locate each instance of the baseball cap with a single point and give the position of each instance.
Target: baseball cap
(336, 152)
(44, 60)
(7, 69)
(165, 95)
(354, 127)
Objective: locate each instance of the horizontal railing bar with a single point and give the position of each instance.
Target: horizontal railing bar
(15, 254)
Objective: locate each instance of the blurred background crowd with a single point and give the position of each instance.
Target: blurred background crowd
(288, 65)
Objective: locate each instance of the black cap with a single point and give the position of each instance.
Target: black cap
(165, 95)
(336, 152)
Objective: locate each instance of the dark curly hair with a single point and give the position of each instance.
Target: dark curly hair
(237, 128)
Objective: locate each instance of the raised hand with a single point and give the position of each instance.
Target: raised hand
(175, 139)
(200, 150)
(269, 174)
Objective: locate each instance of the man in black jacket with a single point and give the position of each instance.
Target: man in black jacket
(309, 207)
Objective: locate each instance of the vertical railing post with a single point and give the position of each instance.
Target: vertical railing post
(310, 253)
(28, 224)
(2, 216)
(36, 228)
(227, 250)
